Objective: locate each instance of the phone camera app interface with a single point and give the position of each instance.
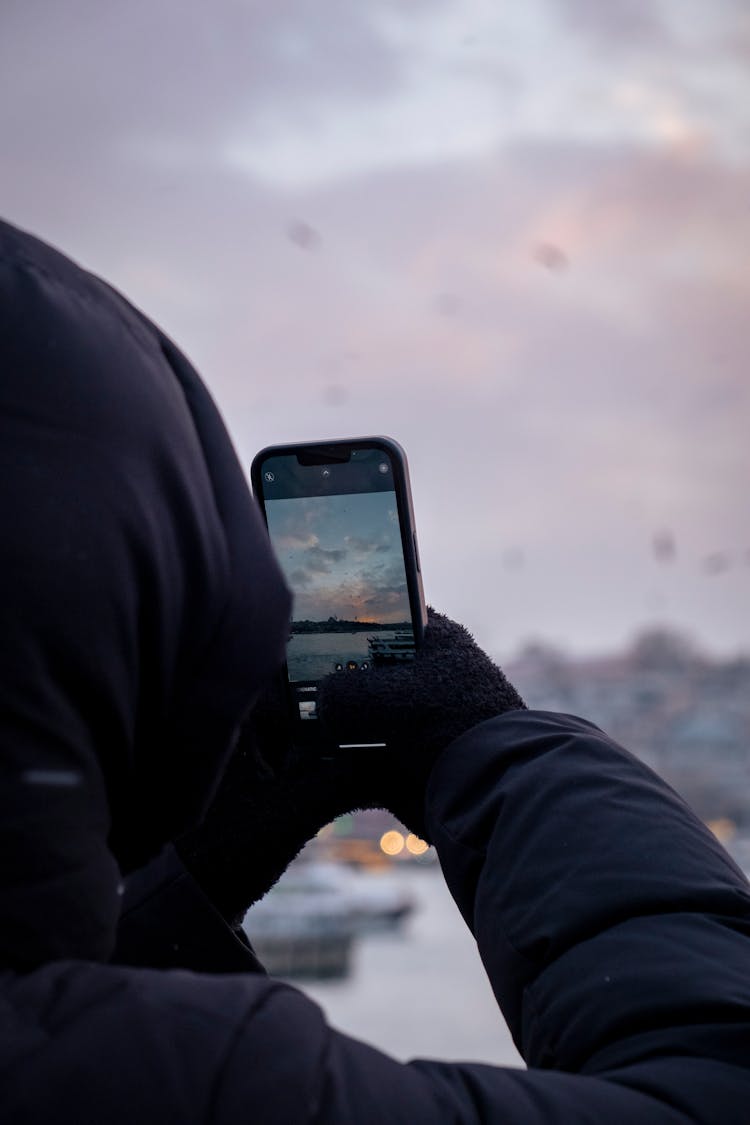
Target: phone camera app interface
(336, 533)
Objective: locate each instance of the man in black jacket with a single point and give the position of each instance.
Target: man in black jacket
(141, 615)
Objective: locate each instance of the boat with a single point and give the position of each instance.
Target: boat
(306, 926)
(375, 900)
(302, 930)
(391, 648)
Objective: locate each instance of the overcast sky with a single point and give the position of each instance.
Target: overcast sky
(514, 237)
(342, 556)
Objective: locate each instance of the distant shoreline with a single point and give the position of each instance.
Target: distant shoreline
(336, 625)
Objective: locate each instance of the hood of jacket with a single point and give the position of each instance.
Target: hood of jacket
(141, 608)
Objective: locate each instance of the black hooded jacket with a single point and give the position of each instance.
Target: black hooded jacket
(141, 608)
(140, 612)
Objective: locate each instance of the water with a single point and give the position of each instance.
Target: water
(421, 993)
(310, 656)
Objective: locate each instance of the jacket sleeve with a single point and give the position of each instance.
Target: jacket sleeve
(614, 929)
(615, 933)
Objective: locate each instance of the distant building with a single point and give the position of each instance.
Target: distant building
(685, 714)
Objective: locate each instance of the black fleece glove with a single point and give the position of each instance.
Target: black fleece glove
(275, 796)
(417, 709)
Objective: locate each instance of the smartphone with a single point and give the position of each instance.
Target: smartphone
(340, 518)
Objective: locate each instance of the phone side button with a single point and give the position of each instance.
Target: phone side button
(416, 552)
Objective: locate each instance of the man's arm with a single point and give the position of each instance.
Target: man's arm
(614, 928)
(615, 933)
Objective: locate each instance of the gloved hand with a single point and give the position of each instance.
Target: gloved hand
(275, 796)
(417, 709)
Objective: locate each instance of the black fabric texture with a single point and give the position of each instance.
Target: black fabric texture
(141, 606)
(649, 1023)
(421, 705)
(191, 933)
(416, 709)
(275, 797)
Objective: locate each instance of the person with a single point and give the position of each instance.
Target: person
(142, 616)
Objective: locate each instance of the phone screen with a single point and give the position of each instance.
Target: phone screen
(336, 527)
